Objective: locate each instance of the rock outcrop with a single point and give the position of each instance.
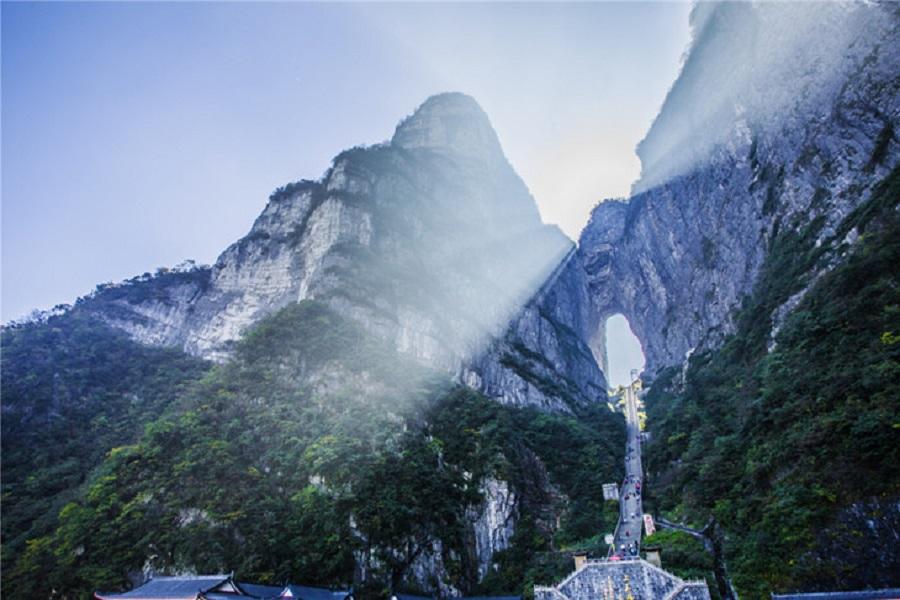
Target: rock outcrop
(489, 530)
(762, 133)
(551, 352)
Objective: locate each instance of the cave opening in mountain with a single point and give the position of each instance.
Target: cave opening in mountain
(624, 355)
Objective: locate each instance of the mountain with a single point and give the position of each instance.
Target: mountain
(430, 241)
(297, 410)
(755, 263)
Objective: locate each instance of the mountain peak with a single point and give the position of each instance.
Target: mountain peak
(450, 122)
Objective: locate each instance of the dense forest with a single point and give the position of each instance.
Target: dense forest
(314, 448)
(72, 389)
(791, 442)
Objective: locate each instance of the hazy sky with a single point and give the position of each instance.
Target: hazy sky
(138, 135)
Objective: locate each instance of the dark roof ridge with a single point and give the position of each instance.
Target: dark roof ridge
(878, 593)
(186, 577)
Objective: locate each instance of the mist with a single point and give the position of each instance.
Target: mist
(765, 59)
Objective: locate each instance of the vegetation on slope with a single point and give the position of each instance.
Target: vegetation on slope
(72, 389)
(684, 555)
(317, 448)
(788, 446)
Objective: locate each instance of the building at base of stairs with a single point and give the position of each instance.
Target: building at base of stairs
(633, 579)
(221, 587)
(224, 587)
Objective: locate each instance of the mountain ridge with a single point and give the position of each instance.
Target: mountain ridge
(431, 240)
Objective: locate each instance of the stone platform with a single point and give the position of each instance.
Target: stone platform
(634, 579)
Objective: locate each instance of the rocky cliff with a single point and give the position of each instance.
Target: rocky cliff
(431, 241)
(784, 116)
(756, 262)
(763, 132)
(549, 356)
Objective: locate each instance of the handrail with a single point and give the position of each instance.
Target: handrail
(677, 590)
(683, 586)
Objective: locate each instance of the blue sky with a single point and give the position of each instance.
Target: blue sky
(137, 135)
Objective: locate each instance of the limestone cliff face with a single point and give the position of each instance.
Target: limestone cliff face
(489, 530)
(783, 116)
(550, 354)
(747, 144)
(431, 241)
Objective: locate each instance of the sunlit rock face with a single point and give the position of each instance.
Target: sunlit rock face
(454, 124)
(549, 355)
(431, 241)
(758, 135)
